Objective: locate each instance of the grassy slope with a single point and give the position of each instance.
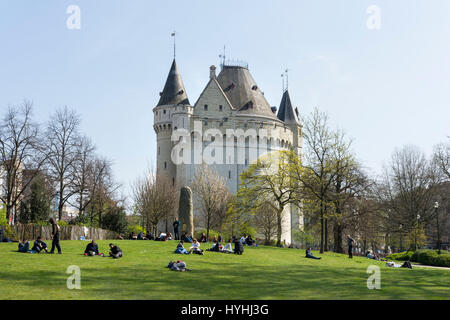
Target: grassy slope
(261, 273)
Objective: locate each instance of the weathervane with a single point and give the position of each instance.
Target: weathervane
(173, 34)
(285, 75)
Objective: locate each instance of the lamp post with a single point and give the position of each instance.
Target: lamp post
(401, 234)
(436, 206)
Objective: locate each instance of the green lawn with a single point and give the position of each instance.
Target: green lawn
(260, 273)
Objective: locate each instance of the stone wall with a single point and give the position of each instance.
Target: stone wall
(32, 231)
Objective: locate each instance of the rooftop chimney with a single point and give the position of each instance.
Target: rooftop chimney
(212, 72)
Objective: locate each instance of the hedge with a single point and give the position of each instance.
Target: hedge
(427, 257)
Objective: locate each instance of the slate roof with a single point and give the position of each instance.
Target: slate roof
(243, 92)
(286, 112)
(173, 92)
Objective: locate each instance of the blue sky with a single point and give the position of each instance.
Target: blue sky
(385, 88)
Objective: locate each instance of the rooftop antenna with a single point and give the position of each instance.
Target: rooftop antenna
(173, 34)
(222, 56)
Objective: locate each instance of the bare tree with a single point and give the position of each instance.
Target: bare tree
(63, 145)
(408, 191)
(265, 220)
(442, 158)
(20, 149)
(210, 189)
(101, 187)
(84, 179)
(154, 198)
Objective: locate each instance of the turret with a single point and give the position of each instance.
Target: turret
(172, 98)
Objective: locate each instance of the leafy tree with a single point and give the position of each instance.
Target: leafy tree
(270, 181)
(116, 220)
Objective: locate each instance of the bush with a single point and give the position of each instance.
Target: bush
(136, 229)
(432, 258)
(63, 223)
(8, 231)
(428, 257)
(403, 256)
(212, 233)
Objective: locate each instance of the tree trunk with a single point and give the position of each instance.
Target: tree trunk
(338, 237)
(279, 213)
(325, 245)
(321, 228)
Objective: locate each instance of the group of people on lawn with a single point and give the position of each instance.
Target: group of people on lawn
(216, 247)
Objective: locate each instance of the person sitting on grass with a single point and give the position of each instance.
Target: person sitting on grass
(228, 248)
(186, 238)
(203, 238)
(149, 236)
(180, 248)
(114, 251)
(196, 247)
(238, 247)
(249, 241)
(140, 236)
(369, 255)
(91, 249)
(169, 236)
(310, 255)
(216, 247)
(39, 245)
(162, 237)
(24, 246)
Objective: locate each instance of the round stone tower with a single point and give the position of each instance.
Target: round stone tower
(172, 98)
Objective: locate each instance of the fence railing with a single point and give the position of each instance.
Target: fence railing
(32, 231)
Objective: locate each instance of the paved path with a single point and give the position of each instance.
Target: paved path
(432, 267)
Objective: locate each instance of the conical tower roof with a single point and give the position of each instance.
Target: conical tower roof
(242, 91)
(286, 113)
(173, 92)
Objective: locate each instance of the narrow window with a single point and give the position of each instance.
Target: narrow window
(206, 107)
(229, 174)
(220, 107)
(165, 165)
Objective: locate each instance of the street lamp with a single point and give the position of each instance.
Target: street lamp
(436, 206)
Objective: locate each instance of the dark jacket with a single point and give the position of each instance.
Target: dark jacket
(350, 242)
(91, 247)
(115, 250)
(55, 229)
(39, 245)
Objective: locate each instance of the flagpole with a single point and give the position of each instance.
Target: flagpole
(174, 43)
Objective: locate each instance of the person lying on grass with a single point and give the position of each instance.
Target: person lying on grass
(407, 264)
(180, 248)
(177, 266)
(310, 255)
(114, 251)
(92, 249)
(39, 245)
(24, 246)
(196, 247)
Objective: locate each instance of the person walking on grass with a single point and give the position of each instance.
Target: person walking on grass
(176, 229)
(350, 242)
(55, 236)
